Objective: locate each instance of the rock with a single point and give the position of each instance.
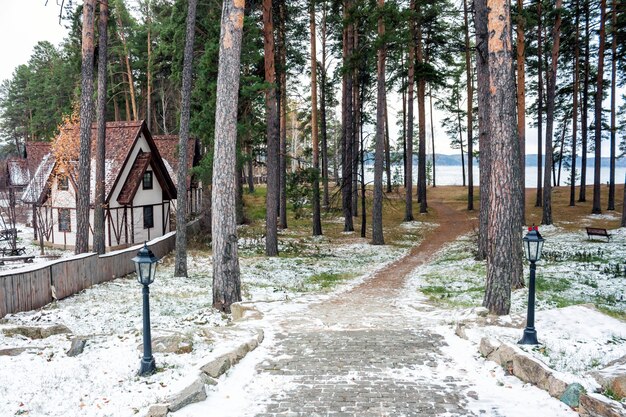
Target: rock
(260, 336)
(177, 343)
(486, 347)
(77, 347)
(194, 393)
(572, 394)
(503, 355)
(530, 370)
(555, 386)
(593, 405)
(54, 330)
(245, 312)
(481, 311)
(239, 353)
(460, 330)
(618, 386)
(13, 351)
(217, 366)
(32, 332)
(158, 410)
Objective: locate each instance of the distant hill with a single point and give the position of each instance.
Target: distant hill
(531, 160)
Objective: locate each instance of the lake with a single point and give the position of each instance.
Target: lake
(451, 175)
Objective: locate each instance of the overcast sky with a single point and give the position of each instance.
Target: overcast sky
(25, 22)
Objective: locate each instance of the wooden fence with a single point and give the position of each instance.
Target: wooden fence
(31, 287)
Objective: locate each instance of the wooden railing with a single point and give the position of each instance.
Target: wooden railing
(32, 287)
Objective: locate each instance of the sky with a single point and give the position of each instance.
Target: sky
(19, 35)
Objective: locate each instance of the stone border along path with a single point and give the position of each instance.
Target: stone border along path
(360, 353)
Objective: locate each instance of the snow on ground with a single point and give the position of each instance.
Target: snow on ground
(575, 338)
(102, 381)
(25, 239)
(573, 270)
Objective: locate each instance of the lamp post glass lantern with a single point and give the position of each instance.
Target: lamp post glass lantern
(145, 266)
(533, 245)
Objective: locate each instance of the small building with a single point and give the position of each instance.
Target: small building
(139, 191)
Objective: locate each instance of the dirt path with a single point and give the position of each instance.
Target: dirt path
(452, 224)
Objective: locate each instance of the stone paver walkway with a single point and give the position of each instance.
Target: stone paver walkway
(362, 353)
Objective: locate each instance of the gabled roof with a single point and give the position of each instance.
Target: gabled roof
(135, 175)
(168, 146)
(121, 138)
(38, 185)
(35, 151)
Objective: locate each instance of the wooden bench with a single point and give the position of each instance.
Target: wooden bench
(12, 252)
(26, 259)
(596, 231)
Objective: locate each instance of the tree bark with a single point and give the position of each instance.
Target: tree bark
(597, 209)
(387, 147)
(572, 194)
(226, 280)
(317, 221)
(521, 97)
(408, 201)
(86, 118)
(504, 263)
(326, 197)
(98, 211)
(539, 201)
(470, 108)
(347, 122)
(611, 204)
(421, 112)
(551, 78)
(432, 135)
(271, 224)
(582, 196)
(180, 265)
(282, 9)
(482, 84)
(149, 69)
(377, 207)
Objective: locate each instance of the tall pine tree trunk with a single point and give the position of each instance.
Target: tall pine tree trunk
(377, 207)
(504, 263)
(271, 110)
(387, 147)
(357, 105)
(432, 135)
(149, 68)
(129, 71)
(408, 201)
(282, 9)
(582, 197)
(597, 209)
(180, 265)
(572, 194)
(547, 186)
(226, 280)
(98, 210)
(421, 112)
(317, 221)
(611, 205)
(86, 118)
(347, 122)
(538, 201)
(470, 108)
(482, 84)
(521, 97)
(324, 128)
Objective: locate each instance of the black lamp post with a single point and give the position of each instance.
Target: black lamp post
(533, 244)
(145, 265)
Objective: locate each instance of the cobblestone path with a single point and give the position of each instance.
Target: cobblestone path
(362, 353)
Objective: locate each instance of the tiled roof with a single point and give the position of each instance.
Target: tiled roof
(120, 138)
(38, 184)
(168, 148)
(134, 178)
(35, 151)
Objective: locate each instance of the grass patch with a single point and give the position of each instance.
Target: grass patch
(552, 284)
(327, 279)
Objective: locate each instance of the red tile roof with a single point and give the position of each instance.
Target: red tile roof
(35, 151)
(134, 178)
(168, 147)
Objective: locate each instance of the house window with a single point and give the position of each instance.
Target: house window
(147, 180)
(148, 217)
(63, 184)
(65, 224)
